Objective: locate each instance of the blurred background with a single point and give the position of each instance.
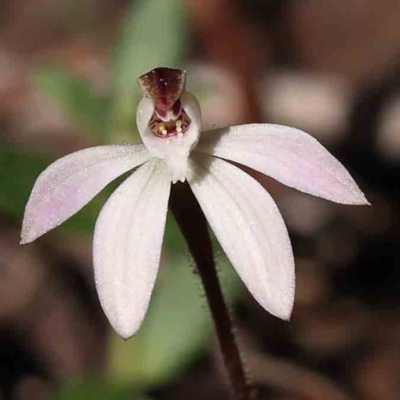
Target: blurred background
(68, 72)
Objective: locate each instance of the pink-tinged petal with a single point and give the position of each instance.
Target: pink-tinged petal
(127, 245)
(250, 229)
(286, 154)
(71, 182)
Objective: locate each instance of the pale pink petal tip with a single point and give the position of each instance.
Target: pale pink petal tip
(247, 223)
(127, 246)
(288, 155)
(71, 182)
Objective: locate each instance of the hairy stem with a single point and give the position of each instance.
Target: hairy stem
(193, 225)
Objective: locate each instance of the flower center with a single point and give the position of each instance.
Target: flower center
(171, 128)
(164, 86)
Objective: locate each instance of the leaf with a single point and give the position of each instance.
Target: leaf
(95, 390)
(77, 98)
(178, 324)
(18, 173)
(152, 35)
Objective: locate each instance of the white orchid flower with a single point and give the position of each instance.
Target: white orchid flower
(129, 231)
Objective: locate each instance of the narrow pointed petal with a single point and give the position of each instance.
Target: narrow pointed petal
(286, 154)
(71, 182)
(127, 246)
(250, 229)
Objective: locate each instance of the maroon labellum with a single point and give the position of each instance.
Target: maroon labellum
(164, 86)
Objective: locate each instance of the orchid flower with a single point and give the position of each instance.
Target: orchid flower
(129, 232)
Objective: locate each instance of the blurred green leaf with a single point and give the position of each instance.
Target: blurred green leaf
(152, 35)
(18, 173)
(77, 98)
(177, 326)
(95, 390)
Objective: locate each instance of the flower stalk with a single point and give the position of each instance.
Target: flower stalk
(193, 225)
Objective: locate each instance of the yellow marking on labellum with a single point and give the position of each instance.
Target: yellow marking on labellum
(162, 129)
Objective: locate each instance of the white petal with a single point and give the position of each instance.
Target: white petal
(250, 229)
(71, 182)
(175, 151)
(286, 154)
(127, 245)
